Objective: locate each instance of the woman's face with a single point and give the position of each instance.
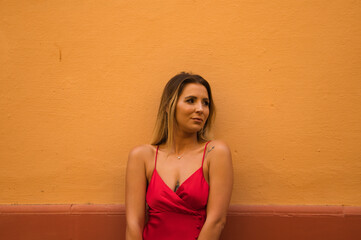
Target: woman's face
(192, 108)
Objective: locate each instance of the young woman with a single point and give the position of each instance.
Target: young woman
(185, 179)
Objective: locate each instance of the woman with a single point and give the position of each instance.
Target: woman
(185, 179)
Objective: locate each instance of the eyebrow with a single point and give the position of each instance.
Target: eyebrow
(196, 97)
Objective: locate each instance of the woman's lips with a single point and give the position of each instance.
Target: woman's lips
(198, 119)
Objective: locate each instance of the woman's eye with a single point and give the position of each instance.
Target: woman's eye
(206, 103)
(190, 100)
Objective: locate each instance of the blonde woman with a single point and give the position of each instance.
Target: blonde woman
(185, 179)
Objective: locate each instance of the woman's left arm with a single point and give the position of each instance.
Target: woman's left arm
(220, 190)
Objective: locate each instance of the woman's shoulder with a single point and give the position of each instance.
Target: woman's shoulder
(218, 151)
(219, 146)
(142, 151)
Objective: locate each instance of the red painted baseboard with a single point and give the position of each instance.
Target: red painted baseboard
(107, 222)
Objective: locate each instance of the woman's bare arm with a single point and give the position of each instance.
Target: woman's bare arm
(136, 184)
(220, 190)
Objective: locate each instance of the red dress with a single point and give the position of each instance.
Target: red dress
(176, 215)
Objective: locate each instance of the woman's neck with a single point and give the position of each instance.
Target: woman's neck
(184, 142)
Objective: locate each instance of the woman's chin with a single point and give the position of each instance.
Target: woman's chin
(192, 129)
(195, 130)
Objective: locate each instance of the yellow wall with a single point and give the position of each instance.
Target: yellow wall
(80, 83)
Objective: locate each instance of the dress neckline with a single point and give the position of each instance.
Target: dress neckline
(185, 181)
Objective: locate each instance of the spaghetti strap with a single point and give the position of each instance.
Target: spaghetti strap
(156, 155)
(204, 152)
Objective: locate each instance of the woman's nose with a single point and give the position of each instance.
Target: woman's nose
(199, 107)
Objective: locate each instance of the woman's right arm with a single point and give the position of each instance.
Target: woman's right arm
(135, 190)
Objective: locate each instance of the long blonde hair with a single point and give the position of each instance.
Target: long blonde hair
(164, 126)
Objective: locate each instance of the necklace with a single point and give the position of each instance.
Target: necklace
(179, 157)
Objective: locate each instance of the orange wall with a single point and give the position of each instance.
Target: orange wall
(80, 83)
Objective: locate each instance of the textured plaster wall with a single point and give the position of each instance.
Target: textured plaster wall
(80, 83)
